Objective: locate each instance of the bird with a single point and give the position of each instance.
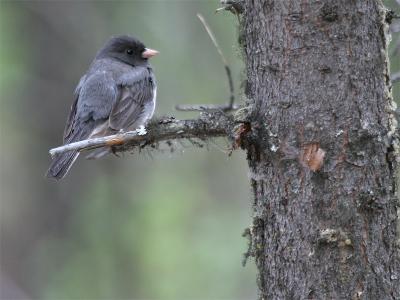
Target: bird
(117, 93)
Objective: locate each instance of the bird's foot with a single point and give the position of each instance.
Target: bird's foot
(141, 130)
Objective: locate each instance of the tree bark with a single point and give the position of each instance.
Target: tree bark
(321, 149)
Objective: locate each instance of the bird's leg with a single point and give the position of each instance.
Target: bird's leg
(141, 130)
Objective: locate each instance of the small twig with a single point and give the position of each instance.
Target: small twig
(226, 65)
(224, 107)
(207, 107)
(209, 125)
(234, 6)
(212, 37)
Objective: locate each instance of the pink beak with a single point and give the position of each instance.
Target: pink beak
(147, 53)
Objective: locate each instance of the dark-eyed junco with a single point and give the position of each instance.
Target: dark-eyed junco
(118, 92)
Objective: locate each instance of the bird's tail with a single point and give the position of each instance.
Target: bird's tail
(61, 164)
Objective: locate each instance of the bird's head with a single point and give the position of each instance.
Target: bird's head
(127, 49)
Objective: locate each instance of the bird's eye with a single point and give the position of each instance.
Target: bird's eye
(129, 51)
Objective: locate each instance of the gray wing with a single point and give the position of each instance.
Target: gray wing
(135, 104)
(71, 117)
(95, 96)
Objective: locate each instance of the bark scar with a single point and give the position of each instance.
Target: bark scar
(240, 131)
(312, 156)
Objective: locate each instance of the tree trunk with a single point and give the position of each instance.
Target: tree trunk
(321, 149)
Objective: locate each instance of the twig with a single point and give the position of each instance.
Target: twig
(212, 37)
(234, 6)
(207, 107)
(224, 107)
(209, 125)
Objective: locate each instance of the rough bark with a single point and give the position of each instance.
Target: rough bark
(321, 149)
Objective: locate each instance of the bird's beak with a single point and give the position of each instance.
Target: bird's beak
(147, 53)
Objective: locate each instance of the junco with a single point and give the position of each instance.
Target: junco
(118, 92)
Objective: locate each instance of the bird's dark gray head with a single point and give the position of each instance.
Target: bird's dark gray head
(126, 49)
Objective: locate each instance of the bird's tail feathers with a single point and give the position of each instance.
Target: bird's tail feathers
(98, 153)
(61, 164)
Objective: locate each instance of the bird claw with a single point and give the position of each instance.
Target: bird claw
(141, 130)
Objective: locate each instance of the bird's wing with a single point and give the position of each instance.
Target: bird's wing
(95, 96)
(72, 113)
(136, 92)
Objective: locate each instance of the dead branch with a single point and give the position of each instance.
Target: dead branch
(205, 107)
(234, 6)
(208, 125)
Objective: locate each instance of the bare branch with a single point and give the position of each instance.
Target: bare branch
(212, 37)
(234, 6)
(206, 107)
(223, 107)
(208, 125)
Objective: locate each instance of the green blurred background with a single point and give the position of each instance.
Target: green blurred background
(145, 226)
(154, 225)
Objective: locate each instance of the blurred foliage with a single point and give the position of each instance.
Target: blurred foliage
(149, 226)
